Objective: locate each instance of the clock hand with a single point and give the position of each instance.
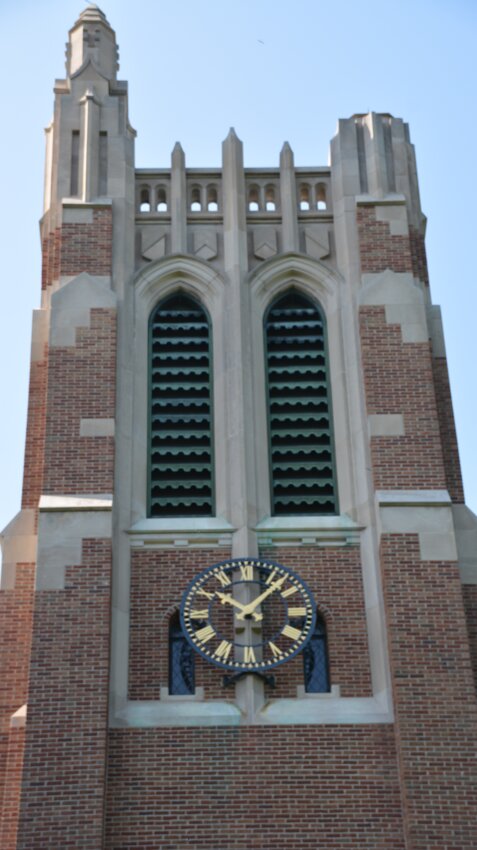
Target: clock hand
(250, 608)
(224, 597)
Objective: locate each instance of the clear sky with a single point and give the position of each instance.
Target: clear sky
(276, 71)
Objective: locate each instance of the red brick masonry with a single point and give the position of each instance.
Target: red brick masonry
(436, 715)
(399, 378)
(65, 751)
(291, 788)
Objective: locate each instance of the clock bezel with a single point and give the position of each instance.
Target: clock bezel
(242, 666)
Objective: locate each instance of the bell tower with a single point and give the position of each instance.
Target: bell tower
(238, 603)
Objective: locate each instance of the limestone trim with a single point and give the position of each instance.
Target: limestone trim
(19, 717)
(71, 306)
(197, 696)
(390, 199)
(18, 542)
(465, 522)
(413, 497)
(171, 533)
(308, 531)
(334, 710)
(402, 299)
(333, 693)
(144, 714)
(60, 539)
(179, 271)
(319, 709)
(101, 502)
(97, 427)
(386, 425)
(277, 274)
(427, 513)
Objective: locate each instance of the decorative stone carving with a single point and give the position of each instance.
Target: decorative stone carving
(205, 244)
(153, 243)
(317, 241)
(264, 242)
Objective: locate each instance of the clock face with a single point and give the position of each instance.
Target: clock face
(246, 614)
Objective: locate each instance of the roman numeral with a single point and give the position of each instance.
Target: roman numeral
(291, 633)
(297, 612)
(205, 634)
(289, 591)
(246, 572)
(276, 652)
(205, 593)
(197, 614)
(223, 578)
(223, 650)
(249, 655)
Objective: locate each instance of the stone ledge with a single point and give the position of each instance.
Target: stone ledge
(147, 714)
(197, 696)
(308, 531)
(388, 200)
(405, 498)
(144, 714)
(181, 532)
(426, 513)
(99, 203)
(94, 502)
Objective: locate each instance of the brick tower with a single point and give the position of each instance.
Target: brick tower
(234, 363)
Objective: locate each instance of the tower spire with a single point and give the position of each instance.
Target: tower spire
(92, 40)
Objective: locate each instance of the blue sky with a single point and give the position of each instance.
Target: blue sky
(275, 71)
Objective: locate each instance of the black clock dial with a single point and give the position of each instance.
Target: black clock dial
(247, 614)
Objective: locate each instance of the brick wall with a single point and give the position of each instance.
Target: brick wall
(35, 435)
(12, 789)
(380, 250)
(75, 248)
(51, 246)
(65, 749)
(450, 450)
(81, 384)
(399, 378)
(158, 580)
(436, 720)
(470, 605)
(335, 578)
(16, 612)
(87, 247)
(255, 788)
(418, 255)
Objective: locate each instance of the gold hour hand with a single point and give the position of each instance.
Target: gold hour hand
(225, 598)
(250, 608)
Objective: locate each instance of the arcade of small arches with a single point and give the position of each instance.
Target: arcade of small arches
(261, 197)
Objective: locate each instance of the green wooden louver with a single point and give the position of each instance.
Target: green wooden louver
(299, 414)
(180, 410)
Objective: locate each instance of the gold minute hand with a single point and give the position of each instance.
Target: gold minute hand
(224, 597)
(250, 608)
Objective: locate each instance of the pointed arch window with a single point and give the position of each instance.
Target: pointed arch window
(315, 661)
(180, 469)
(299, 408)
(181, 660)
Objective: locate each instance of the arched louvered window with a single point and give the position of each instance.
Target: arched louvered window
(315, 661)
(299, 410)
(180, 410)
(181, 660)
